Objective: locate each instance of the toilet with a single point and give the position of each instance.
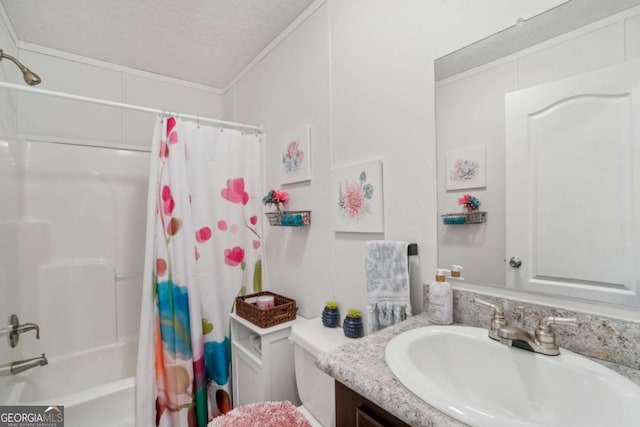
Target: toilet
(315, 388)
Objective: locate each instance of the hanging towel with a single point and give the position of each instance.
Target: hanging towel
(387, 272)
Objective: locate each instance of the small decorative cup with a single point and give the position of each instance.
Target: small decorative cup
(265, 301)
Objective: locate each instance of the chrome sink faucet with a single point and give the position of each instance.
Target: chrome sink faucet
(18, 366)
(542, 341)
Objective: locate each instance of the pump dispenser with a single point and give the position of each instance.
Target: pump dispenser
(456, 272)
(441, 299)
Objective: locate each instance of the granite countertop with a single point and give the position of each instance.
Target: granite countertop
(368, 374)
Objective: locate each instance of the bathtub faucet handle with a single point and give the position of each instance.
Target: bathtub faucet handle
(26, 327)
(14, 329)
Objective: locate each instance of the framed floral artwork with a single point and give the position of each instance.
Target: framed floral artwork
(357, 199)
(295, 158)
(466, 168)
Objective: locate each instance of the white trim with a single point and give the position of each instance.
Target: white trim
(131, 275)
(221, 123)
(7, 23)
(618, 18)
(275, 42)
(31, 47)
(330, 53)
(84, 143)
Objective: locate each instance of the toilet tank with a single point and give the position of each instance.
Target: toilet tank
(316, 389)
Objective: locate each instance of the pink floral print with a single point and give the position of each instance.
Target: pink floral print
(353, 199)
(203, 234)
(161, 267)
(235, 191)
(234, 256)
(168, 203)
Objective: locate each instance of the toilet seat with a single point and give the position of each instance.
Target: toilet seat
(312, 420)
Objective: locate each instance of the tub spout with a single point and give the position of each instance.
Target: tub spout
(18, 366)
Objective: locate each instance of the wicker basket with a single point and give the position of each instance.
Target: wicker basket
(274, 217)
(284, 310)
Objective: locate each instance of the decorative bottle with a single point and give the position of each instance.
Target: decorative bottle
(441, 299)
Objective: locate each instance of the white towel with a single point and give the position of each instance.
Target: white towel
(387, 273)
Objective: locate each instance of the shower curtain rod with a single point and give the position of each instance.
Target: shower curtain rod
(223, 123)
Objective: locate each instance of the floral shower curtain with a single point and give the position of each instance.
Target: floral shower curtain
(203, 249)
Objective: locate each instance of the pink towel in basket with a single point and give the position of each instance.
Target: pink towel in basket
(263, 414)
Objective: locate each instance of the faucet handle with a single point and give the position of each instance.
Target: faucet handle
(14, 329)
(497, 310)
(497, 320)
(27, 327)
(546, 322)
(545, 335)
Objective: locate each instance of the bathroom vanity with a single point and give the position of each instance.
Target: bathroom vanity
(361, 367)
(352, 409)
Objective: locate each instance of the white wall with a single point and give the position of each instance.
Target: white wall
(477, 99)
(287, 88)
(9, 196)
(67, 119)
(361, 74)
(83, 182)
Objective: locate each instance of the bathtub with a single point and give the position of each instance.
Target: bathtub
(96, 387)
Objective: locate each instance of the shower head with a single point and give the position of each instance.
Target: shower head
(29, 76)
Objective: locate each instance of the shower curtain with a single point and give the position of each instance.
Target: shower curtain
(203, 249)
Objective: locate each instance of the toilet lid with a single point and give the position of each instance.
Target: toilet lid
(315, 338)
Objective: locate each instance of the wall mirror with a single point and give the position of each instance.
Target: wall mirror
(541, 124)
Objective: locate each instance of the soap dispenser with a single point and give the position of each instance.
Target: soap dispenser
(441, 299)
(456, 272)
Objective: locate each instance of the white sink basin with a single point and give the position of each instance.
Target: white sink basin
(461, 372)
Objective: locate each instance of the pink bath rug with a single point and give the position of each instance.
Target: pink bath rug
(263, 414)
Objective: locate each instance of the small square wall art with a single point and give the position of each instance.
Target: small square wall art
(295, 155)
(356, 198)
(466, 168)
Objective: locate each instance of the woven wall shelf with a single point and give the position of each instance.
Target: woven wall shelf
(464, 218)
(289, 218)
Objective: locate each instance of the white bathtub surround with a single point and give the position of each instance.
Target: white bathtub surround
(98, 381)
(203, 249)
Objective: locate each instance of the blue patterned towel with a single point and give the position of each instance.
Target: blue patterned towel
(387, 273)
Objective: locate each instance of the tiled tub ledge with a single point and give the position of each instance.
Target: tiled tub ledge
(361, 366)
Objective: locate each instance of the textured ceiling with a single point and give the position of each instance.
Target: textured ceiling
(202, 41)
